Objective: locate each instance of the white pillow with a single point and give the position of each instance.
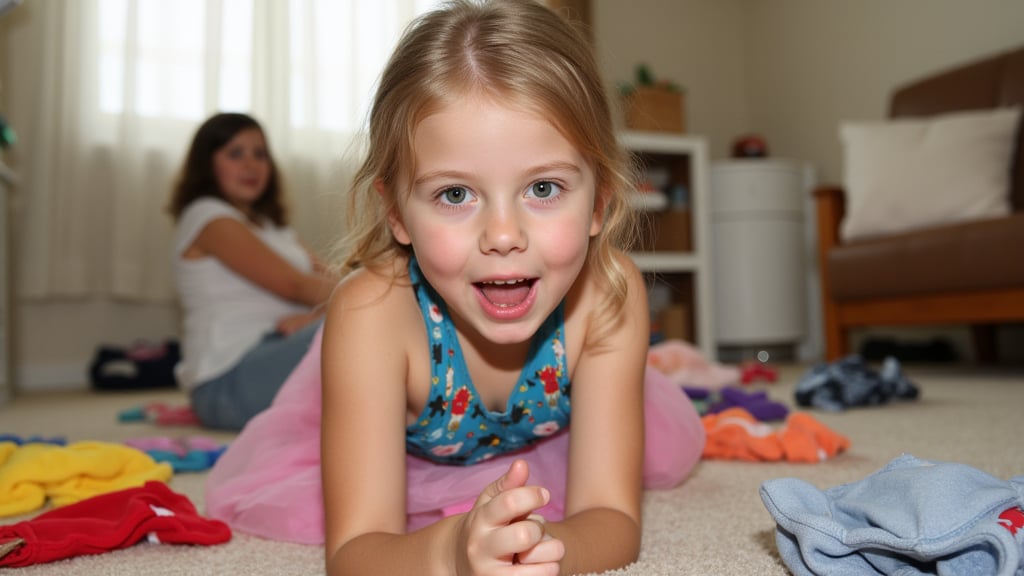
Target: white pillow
(907, 174)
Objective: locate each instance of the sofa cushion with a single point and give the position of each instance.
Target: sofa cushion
(988, 82)
(913, 173)
(983, 254)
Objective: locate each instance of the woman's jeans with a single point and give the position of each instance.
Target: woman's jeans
(230, 400)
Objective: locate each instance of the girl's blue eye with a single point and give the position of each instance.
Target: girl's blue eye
(545, 189)
(454, 195)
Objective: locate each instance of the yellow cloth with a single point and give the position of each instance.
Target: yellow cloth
(31, 473)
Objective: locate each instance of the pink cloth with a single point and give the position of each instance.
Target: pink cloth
(267, 483)
(684, 365)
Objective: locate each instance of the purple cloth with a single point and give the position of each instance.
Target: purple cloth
(755, 402)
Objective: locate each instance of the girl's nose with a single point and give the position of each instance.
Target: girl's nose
(503, 231)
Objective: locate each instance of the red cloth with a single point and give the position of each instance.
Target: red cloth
(111, 521)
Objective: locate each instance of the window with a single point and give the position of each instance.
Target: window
(127, 82)
(181, 59)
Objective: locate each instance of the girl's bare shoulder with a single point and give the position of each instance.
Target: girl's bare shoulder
(379, 291)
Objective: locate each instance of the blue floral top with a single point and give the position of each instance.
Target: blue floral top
(455, 427)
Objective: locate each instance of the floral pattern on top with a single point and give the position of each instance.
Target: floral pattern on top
(455, 427)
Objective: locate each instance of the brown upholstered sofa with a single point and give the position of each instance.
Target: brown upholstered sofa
(968, 273)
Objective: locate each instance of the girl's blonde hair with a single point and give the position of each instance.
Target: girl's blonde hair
(523, 54)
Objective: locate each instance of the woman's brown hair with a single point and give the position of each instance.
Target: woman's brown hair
(198, 179)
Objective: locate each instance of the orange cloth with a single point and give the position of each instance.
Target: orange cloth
(735, 434)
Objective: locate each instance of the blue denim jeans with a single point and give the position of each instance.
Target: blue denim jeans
(230, 400)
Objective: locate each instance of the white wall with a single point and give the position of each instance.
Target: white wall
(698, 44)
(788, 69)
(813, 63)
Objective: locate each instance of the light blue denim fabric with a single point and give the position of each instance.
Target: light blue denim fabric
(911, 517)
(230, 400)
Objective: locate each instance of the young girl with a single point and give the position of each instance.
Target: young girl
(487, 300)
(248, 286)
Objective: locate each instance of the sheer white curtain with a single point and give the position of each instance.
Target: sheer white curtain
(118, 87)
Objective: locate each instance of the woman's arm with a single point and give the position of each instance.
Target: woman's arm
(292, 323)
(234, 244)
(319, 266)
(602, 527)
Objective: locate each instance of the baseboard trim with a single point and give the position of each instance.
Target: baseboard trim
(52, 377)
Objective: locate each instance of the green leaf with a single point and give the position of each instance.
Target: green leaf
(644, 76)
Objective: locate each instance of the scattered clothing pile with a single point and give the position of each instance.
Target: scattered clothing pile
(735, 419)
(751, 372)
(850, 382)
(913, 516)
(141, 366)
(684, 365)
(735, 434)
(187, 454)
(20, 440)
(31, 474)
(756, 402)
(110, 521)
(161, 414)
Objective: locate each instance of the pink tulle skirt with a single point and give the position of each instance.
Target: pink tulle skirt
(268, 483)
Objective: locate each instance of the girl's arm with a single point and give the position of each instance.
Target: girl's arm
(365, 368)
(363, 435)
(231, 242)
(604, 492)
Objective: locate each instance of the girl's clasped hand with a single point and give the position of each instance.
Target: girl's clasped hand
(502, 528)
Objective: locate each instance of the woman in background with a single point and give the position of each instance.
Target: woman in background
(251, 291)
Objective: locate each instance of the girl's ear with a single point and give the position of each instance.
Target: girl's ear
(394, 216)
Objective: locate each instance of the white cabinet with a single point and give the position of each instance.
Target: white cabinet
(685, 265)
(758, 230)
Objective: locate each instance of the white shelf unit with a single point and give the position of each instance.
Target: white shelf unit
(689, 155)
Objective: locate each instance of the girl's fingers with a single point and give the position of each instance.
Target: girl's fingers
(503, 524)
(548, 550)
(546, 569)
(507, 541)
(516, 475)
(513, 506)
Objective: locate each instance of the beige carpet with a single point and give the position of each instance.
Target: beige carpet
(714, 523)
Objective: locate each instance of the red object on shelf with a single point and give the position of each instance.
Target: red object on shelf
(750, 146)
(751, 372)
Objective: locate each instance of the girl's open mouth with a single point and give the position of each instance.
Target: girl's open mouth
(506, 293)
